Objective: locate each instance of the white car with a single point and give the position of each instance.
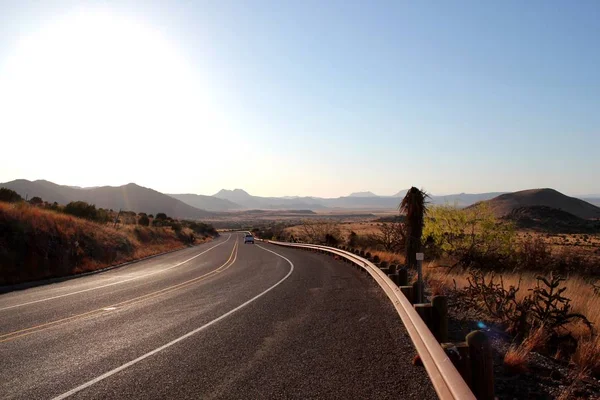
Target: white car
(248, 238)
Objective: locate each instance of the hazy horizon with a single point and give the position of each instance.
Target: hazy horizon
(582, 195)
(302, 99)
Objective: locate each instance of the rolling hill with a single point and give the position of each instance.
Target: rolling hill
(548, 219)
(130, 197)
(504, 204)
(209, 203)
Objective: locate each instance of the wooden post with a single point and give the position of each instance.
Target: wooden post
(482, 367)
(408, 292)
(402, 277)
(394, 278)
(383, 265)
(417, 291)
(440, 318)
(425, 311)
(420, 295)
(458, 353)
(393, 268)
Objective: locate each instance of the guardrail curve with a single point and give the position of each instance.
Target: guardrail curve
(446, 380)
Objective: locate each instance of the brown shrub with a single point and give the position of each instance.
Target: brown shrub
(37, 243)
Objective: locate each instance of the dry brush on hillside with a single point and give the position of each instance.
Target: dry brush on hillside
(37, 243)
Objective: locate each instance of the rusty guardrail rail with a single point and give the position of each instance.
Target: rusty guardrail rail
(446, 380)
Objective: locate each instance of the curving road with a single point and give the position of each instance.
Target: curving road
(222, 320)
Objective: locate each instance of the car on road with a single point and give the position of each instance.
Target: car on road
(248, 238)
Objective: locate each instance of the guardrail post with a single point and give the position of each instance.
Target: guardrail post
(425, 311)
(402, 277)
(408, 293)
(440, 318)
(417, 291)
(393, 268)
(458, 353)
(482, 367)
(394, 277)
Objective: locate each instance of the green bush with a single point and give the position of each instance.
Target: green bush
(81, 209)
(36, 201)
(176, 227)
(10, 196)
(144, 220)
(472, 236)
(85, 210)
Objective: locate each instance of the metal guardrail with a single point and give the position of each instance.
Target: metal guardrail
(446, 380)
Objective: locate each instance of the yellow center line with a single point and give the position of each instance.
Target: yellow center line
(38, 328)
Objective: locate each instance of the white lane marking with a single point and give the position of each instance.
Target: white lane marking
(109, 308)
(114, 283)
(179, 339)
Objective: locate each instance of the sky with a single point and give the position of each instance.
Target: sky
(302, 97)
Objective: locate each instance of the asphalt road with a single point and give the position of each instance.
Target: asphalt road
(222, 320)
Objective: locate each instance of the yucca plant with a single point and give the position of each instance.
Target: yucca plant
(414, 206)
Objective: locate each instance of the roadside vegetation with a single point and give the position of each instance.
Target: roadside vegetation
(537, 293)
(39, 240)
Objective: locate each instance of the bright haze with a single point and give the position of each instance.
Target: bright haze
(302, 98)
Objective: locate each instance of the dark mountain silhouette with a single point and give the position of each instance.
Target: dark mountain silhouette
(593, 200)
(550, 219)
(504, 204)
(48, 191)
(130, 197)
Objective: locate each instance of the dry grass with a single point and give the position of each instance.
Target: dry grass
(44, 243)
(517, 356)
(587, 356)
(580, 291)
(515, 359)
(391, 258)
(537, 339)
(360, 228)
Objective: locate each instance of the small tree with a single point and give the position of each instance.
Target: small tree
(414, 206)
(10, 196)
(81, 209)
(473, 236)
(353, 239)
(36, 201)
(320, 232)
(161, 216)
(144, 220)
(391, 236)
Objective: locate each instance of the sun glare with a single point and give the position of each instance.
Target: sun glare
(89, 82)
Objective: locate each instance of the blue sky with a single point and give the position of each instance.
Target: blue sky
(326, 98)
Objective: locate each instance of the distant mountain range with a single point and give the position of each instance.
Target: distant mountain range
(140, 199)
(209, 203)
(357, 200)
(130, 197)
